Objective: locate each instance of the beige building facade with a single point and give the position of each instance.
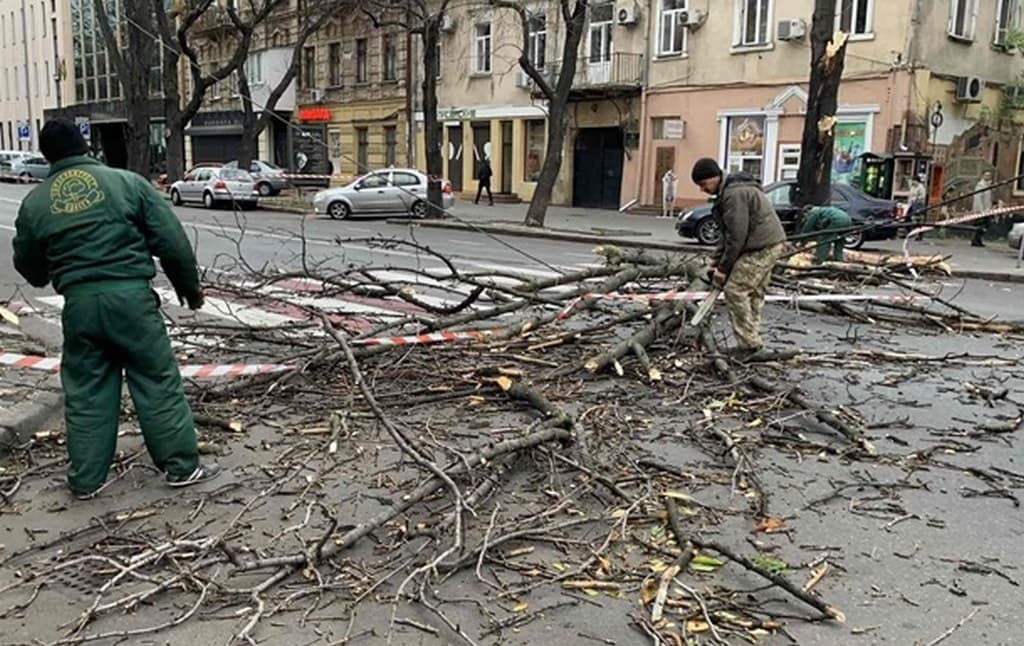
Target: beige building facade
(29, 32)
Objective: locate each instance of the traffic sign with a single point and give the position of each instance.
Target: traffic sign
(24, 132)
(84, 127)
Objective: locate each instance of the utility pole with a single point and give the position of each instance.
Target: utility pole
(28, 73)
(828, 51)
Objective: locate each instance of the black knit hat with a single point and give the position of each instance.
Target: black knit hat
(705, 168)
(59, 139)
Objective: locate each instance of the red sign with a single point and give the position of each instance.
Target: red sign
(314, 114)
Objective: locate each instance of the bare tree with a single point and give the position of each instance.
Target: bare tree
(422, 19)
(556, 91)
(828, 52)
(243, 24)
(314, 16)
(132, 65)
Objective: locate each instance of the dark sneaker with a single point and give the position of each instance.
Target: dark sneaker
(203, 473)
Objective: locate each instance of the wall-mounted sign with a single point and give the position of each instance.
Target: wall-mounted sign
(673, 129)
(314, 114)
(455, 114)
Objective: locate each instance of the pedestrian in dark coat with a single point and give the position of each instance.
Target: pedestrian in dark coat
(483, 176)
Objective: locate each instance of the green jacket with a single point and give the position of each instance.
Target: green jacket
(823, 218)
(746, 218)
(88, 222)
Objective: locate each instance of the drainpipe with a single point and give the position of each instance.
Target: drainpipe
(28, 74)
(643, 150)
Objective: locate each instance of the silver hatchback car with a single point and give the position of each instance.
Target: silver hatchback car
(395, 190)
(213, 186)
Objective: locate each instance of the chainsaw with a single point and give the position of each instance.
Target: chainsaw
(708, 303)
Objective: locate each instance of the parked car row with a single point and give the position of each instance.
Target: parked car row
(213, 185)
(863, 209)
(395, 190)
(20, 164)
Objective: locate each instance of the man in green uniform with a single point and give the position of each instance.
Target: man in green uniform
(824, 220)
(93, 231)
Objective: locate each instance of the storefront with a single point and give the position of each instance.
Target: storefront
(757, 130)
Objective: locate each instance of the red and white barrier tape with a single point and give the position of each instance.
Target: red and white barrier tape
(960, 219)
(771, 298)
(426, 339)
(198, 371)
(8, 177)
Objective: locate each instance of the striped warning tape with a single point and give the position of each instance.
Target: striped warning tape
(199, 371)
(960, 219)
(771, 298)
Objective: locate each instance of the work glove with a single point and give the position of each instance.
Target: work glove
(195, 301)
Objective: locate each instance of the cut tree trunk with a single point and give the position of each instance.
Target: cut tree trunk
(431, 126)
(828, 51)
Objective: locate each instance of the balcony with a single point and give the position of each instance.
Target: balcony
(618, 74)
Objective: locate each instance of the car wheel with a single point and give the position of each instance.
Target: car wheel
(338, 210)
(25, 176)
(853, 240)
(208, 200)
(420, 209)
(708, 231)
(265, 189)
(175, 197)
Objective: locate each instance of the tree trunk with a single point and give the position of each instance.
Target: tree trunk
(431, 126)
(558, 119)
(247, 148)
(814, 179)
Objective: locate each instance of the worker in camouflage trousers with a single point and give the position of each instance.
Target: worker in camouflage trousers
(825, 221)
(93, 231)
(752, 241)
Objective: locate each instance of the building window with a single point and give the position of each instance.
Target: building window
(534, 149)
(745, 146)
(363, 150)
(362, 61)
(963, 15)
(334, 64)
(483, 49)
(667, 128)
(254, 68)
(440, 61)
(307, 77)
(390, 63)
(1007, 20)
(752, 22)
(538, 35)
(789, 162)
(390, 146)
(673, 33)
(855, 17)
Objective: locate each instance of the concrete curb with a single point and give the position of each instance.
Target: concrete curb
(530, 232)
(995, 276)
(23, 419)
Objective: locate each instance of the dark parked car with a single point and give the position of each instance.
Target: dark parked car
(863, 209)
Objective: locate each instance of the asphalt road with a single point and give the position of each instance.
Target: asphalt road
(913, 565)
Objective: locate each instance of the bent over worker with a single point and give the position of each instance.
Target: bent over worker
(825, 221)
(752, 241)
(93, 231)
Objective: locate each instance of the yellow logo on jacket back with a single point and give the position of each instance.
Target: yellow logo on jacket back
(74, 191)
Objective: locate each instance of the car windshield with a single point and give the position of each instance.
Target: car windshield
(268, 165)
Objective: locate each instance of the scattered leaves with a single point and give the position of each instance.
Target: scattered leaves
(705, 563)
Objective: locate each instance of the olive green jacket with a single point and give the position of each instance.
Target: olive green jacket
(87, 222)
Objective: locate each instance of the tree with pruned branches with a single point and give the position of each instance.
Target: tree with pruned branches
(177, 34)
(422, 18)
(556, 89)
(315, 14)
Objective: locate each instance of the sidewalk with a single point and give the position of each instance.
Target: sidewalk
(996, 261)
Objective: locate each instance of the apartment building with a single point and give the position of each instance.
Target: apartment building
(665, 82)
(29, 32)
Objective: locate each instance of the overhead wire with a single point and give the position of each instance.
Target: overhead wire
(363, 168)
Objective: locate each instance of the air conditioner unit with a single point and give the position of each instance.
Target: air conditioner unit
(792, 29)
(692, 18)
(317, 94)
(627, 14)
(447, 23)
(969, 89)
(523, 80)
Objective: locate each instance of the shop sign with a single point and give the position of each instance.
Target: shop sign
(673, 129)
(314, 114)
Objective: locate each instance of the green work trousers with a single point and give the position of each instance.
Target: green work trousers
(112, 328)
(828, 247)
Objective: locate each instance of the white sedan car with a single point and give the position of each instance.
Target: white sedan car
(394, 190)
